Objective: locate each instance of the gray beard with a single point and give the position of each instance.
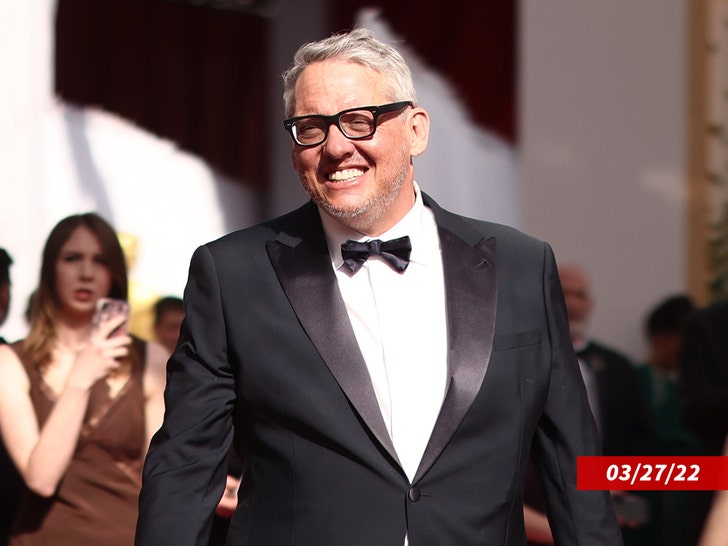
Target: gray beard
(373, 208)
(362, 217)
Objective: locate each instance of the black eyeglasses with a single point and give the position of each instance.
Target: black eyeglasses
(354, 123)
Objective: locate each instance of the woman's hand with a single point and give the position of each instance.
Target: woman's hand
(102, 354)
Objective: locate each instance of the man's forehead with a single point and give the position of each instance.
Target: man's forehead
(326, 87)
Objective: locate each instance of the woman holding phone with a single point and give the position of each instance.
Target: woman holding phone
(79, 397)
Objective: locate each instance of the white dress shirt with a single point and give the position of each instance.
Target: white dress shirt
(400, 323)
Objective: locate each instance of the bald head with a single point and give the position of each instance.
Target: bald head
(579, 300)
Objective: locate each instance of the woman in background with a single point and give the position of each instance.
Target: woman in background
(78, 405)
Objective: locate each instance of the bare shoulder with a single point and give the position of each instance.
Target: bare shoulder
(14, 387)
(12, 371)
(157, 354)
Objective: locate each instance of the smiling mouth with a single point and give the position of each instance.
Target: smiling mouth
(346, 174)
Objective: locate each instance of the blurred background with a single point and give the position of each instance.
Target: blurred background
(597, 126)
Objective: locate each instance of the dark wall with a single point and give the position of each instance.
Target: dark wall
(473, 42)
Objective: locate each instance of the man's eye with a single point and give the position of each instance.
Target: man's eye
(308, 127)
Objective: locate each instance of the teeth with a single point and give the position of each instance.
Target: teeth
(346, 174)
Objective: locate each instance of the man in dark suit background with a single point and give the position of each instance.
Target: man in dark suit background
(611, 378)
(383, 367)
(615, 397)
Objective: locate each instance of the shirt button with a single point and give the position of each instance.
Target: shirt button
(414, 493)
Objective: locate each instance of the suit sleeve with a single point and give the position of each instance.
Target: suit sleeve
(566, 430)
(185, 469)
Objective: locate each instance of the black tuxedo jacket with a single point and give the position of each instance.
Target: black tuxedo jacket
(267, 350)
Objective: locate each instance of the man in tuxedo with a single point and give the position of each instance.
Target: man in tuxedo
(382, 366)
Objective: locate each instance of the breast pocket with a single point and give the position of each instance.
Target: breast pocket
(518, 340)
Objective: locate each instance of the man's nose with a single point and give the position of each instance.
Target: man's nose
(336, 142)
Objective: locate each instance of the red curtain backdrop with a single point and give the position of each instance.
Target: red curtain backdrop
(196, 75)
(191, 74)
(472, 42)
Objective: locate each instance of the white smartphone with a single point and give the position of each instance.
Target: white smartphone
(107, 308)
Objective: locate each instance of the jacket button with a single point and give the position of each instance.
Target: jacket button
(414, 493)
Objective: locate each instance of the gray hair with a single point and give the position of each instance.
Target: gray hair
(357, 46)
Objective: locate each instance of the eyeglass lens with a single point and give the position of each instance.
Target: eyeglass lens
(354, 124)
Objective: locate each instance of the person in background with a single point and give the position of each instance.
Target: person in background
(660, 376)
(169, 312)
(78, 404)
(659, 379)
(704, 395)
(614, 393)
(610, 377)
(11, 483)
(342, 348)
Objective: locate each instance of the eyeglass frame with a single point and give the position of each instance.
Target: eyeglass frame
(376, 111)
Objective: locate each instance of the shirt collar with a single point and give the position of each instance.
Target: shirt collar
(419, 223)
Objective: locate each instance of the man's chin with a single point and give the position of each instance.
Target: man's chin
(341, 211)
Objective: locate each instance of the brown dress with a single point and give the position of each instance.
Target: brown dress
(97, 499)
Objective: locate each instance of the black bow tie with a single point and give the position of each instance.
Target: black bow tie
(396, 252)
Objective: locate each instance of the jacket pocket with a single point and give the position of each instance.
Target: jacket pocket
(506, 342)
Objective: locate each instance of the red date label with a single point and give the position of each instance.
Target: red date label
(652, 473)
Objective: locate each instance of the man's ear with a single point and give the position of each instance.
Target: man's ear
(419, 125)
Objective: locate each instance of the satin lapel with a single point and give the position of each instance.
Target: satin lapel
(301, 261)
(472, 295)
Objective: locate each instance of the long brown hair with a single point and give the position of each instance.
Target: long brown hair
(46, 306)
